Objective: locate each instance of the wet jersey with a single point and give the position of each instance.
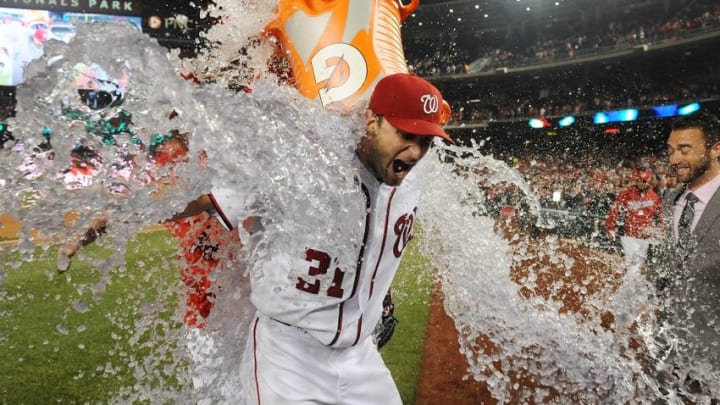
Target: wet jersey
(642, 211)
(337, 303)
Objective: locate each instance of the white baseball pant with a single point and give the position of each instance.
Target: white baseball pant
(285, 365)
(635, 251)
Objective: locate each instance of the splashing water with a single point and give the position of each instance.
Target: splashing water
(540, 319)
(288, 154)
(233, 57)
(291, 158)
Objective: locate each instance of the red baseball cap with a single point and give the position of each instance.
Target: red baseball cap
(411, 104)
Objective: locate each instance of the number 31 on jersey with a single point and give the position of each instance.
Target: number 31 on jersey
(319, 263)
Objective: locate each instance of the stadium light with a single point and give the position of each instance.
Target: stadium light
(601, 118)
(538, 123)
(630, 114)
(663, 111)
(689, 109)
(566, 121)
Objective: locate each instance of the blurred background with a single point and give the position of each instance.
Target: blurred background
(575, 94)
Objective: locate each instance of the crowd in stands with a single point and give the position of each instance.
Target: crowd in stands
(577, 185)
(541, 48)
(564, 97)
(448, 61)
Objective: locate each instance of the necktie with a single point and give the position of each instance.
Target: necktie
(686, 219)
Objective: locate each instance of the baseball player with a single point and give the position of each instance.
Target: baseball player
(642, 210)
(312, 338)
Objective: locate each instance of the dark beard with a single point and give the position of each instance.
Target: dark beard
(697, 171)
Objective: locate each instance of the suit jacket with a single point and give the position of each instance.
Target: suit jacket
(688, 282)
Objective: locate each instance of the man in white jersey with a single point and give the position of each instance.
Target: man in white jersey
(311, 341)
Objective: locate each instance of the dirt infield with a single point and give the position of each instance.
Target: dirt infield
(444, 377)
(9, 227)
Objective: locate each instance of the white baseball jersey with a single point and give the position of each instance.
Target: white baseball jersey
(339, 304)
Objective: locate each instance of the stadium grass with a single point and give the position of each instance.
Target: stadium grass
(61, 344)
(412, 292)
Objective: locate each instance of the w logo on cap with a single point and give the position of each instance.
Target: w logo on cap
(430, 103)
(396, 98)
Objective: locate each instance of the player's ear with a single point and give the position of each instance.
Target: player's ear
(371, 122)
(715, 151)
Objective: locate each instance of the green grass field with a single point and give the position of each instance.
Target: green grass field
(412, 292)
(67, 338)
(64, 337)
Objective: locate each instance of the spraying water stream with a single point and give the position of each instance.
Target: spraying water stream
(291, 158)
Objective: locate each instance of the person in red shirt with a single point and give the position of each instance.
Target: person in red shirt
(203, 242)
(199, 236)
(638, 210)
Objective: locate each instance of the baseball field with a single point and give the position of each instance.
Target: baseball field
(73, 338)
(65, 338)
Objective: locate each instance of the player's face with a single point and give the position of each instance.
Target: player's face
(389, 153)
(693, 162)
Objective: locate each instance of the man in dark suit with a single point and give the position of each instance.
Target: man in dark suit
(688, 273)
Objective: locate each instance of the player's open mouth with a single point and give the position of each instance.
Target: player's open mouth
(401, 167)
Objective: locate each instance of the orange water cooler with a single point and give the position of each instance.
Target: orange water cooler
(339, 49)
